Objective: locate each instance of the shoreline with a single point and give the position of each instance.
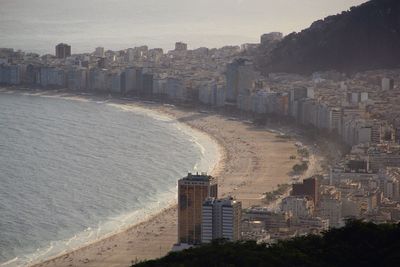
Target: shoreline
(198, 137)
(241, 150)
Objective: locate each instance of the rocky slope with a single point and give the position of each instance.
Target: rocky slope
(365, 37)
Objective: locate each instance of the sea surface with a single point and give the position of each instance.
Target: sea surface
(74, 171)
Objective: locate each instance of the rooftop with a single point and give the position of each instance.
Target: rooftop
(203, 177)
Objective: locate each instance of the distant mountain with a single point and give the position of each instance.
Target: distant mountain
(365, 37)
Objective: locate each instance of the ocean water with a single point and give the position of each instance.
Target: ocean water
(75, 171)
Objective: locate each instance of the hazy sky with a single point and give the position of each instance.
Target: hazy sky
(37, 24)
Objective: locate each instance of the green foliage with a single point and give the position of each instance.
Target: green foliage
(366, 37)
(284, 136)
(356, 244)
(303, 152)
(300, 168)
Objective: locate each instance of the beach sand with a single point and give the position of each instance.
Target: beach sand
(253, 161)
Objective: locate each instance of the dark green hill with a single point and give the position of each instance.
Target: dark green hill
(365, 37)
(356, 244)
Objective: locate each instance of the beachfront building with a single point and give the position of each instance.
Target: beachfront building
(193, 190)
(131, 80)
(51, 77)
(77, 79)
(240, 76)
(175, 89)
(221, 218)
(10, 74)
(97, 80)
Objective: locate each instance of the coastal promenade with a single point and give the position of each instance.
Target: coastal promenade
(253, 160)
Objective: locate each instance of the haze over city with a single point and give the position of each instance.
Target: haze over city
(36, 25)
(191, 133)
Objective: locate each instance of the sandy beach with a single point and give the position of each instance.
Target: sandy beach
(253, 160)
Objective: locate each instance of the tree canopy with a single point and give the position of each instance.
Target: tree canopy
(356, 244)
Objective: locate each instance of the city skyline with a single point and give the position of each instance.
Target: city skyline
(38, 25)
(136, 129)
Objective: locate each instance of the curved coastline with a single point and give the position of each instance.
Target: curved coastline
(251, 161)
(203, 141)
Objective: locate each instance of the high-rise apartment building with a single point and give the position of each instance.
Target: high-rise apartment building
(193, 190)
(221, 218)
(335, 119)
(240, 78)
(99, 52)
(309, 187)
(179, 46)
(131, 80)
(63, 50)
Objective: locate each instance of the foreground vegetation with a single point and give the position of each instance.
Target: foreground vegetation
(356, 244)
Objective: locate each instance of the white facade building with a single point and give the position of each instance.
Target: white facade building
(387, 84)
(49, 76)
(77, 79)
(175, 89)
(298, 206)
(221, 218)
